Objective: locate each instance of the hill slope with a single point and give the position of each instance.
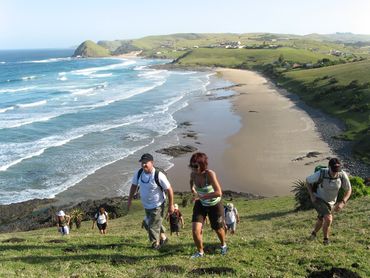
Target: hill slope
(91, 49)
(271, 241)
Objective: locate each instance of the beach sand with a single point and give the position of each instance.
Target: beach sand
(262, 157)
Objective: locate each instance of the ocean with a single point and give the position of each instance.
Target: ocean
(63, 118)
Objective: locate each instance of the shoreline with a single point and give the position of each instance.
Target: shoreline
(227, 148)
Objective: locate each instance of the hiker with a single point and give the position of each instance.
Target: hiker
(153, 185)
(101, 219)
(63, 222)
(175, 219)
(206, 188)
(329, 181)
(231, 218)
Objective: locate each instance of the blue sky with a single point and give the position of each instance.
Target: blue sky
(54, 24)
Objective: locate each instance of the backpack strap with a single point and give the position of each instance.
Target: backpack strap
(156, 178)
(321, 178)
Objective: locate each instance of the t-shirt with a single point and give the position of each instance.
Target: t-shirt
(151, 194)
(101, 218)
(330, 186)
(230, 215)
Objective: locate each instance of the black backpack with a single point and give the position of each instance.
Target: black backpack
(324, 174)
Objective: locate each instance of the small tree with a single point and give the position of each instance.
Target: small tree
(77, 215)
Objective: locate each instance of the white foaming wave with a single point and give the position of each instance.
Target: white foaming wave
(88, 91)
(89, 71)
(28, 77)
(167, 103)
(2, 62)
(51, 190)
(51, 60)
(151, 73)
(182, 72)
(18, 123)
(28, 150)
(100, 75)
(3, 110)
(141, 68)
(62, 78)
(17, 89)
(32, 104)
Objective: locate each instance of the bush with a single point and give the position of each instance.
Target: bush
(303, 200)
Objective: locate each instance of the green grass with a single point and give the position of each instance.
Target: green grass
(249, 58)
(270, 242)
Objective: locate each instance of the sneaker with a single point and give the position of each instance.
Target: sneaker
(326, 241)
(163, 242)
(312, 236)
(197, 255)
(223, 250)
(156, 246)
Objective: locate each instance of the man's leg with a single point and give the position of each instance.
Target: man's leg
(328, 219)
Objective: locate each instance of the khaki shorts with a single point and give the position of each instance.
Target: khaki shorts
(322, 208)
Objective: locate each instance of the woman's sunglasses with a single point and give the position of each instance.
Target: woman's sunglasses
(194, 166)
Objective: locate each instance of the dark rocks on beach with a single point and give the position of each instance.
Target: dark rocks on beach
(176, 151)
(190, 134)
(184, 124)
(36, 214)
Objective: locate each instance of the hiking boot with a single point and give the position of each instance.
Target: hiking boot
(223, 250)
(197, 255)
(326, 241)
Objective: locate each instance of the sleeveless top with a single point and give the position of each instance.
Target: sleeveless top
(208, 188)
(62, 221)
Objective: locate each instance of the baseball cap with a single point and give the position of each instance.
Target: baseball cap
(146, 157)
(61, 213)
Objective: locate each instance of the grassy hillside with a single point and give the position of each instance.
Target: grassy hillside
(249, 58)
(271, 241)
(91, 49)
(341, 90)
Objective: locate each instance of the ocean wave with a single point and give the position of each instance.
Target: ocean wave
(3, 110)
(14, 153)
(88, 91)
(2, 62)
(50, 60)
(89, 71)
(17, 89)
(32, 104)
(54, 186)
(28, 77)
(62, 78)
(100, 75)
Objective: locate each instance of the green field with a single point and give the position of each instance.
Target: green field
(271, 241)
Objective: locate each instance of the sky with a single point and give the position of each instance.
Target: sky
(59, 24)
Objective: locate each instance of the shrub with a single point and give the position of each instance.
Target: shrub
(303, 200)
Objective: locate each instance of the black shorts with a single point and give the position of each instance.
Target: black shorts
(102, 226)
(175, 228)
(215, 214)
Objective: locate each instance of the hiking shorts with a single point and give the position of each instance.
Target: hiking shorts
(322, 208)
(64, 230)
(102, 226)
(215, 214)
(175, 228)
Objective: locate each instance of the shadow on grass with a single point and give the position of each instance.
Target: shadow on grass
(267, 216)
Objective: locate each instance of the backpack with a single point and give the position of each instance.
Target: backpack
(323, 170)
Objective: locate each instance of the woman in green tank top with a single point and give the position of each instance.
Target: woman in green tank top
(207, 195)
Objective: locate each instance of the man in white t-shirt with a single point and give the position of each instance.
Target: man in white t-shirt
(153, 185)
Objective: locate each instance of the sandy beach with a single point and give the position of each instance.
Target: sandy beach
(269, 152)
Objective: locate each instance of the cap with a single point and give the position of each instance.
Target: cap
(146, 157)
(230, 206)
(176, 206)
(61, 213)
